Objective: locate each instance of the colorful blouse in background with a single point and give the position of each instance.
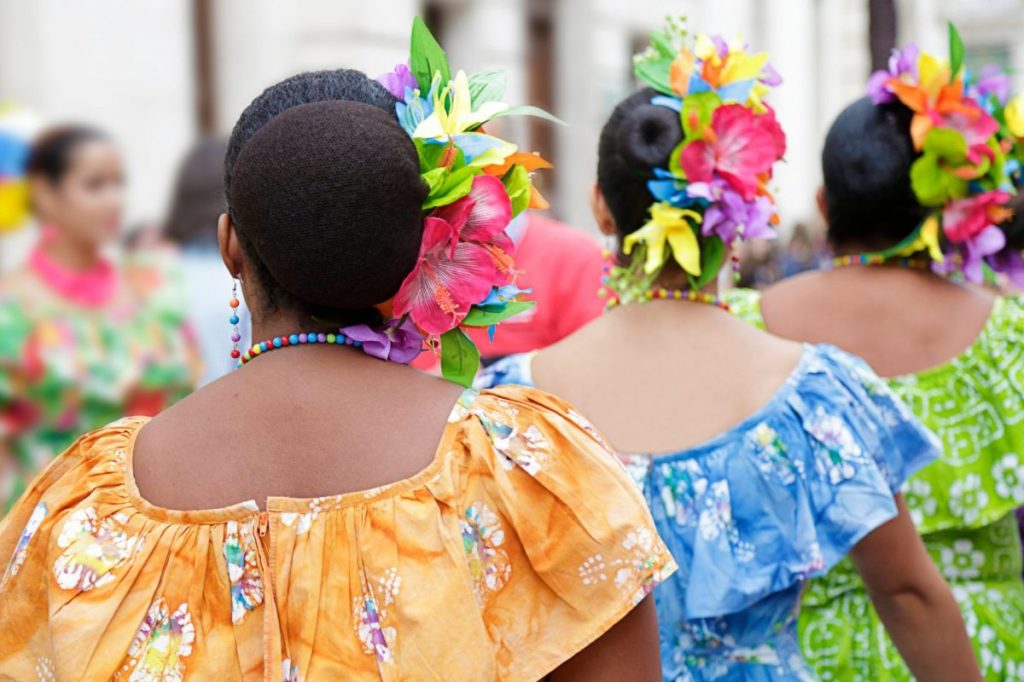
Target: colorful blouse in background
(761, 508)
(520, 544)
(78, 354)
(963, 507)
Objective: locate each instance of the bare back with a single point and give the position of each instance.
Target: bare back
(666, 376)
(320, 421)
(900, 321)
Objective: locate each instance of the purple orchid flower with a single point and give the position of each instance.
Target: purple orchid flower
(729, 215)
(397, 341)
(990, 81)
(769, 76)
(986, 243)
(1009, 263)
(901, 63)
(398, 80)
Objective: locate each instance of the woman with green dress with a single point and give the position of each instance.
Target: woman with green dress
(83, 341)
(915, 200)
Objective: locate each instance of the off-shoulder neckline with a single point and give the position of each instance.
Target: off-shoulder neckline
(994, 315)
(781, 395)
(280, 505)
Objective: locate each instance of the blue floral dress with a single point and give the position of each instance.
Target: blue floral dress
(754, 513)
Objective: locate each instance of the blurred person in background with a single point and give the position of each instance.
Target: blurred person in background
(192, 226)
(83, 340)
(803, 252)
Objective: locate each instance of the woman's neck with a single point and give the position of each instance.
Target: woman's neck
(69, 255)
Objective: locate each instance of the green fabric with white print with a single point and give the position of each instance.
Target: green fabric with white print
(962, 505)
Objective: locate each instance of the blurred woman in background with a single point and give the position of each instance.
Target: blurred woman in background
(192, 226)
(83, 341)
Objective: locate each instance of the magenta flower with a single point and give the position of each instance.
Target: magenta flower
(483, 215)
(464, 254)
(398, 340)
(398, 81)
(729, 215)
(965, 219)
(739, 146)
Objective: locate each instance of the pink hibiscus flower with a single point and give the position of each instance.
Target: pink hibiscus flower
(738, 145)
(464, 255)
(964, 219)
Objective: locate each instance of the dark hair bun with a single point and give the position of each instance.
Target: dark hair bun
(648, 134)
(329, 195)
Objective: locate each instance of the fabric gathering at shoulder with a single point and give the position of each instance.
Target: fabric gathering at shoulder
(549, 530)
(787, 495)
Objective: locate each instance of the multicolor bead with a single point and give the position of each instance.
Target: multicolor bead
(305, 338)
(679, 295)
(879, 259)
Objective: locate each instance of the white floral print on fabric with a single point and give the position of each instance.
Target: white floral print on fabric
(289, 672)
(303, 521)
(21, 549)
(636, 573)
(45, 669)
(243, 570)
(1008, 473)
(961, 561)
(482, 538)
(967, 497)
(161, 645)
(371, 615)
(839, 449)
(93, 548)
(526, 448)
(771, 455)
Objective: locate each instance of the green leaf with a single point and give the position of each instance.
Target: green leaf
(486, 86)
(426, 57)
(655, 73)
(483, 317)
(456, 185)
(956, 51)
(932, 184)
(435, 178)
(712, 255)
(663, 44)
(529, 110)
(430, 154)
(674, 166)
(946, 143)
(517, 184)
(460, 358)
(697, 112)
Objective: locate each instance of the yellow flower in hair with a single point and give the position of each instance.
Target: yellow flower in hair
(1014, 113)
(453, 112)
(671, 225)
(927, 238)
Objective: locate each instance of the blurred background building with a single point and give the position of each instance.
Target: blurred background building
(160, 73)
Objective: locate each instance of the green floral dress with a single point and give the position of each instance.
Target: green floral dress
(962, 505)
(66, 370)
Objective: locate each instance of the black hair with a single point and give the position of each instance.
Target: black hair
(637, 138)
(51, 153)
(1014, 227)
(324, 190)
(198, 198)
(866, 166)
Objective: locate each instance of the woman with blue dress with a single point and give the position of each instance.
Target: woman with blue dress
(764, 461)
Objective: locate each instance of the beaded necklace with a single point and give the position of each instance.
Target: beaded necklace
(337, 338)
(675, 295)
(879, 259)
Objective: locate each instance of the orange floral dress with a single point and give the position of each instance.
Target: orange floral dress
(522, 542)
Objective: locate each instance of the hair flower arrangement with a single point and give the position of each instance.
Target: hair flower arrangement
(967, 132)
(465, 275)
(714, 191)
(16, 128)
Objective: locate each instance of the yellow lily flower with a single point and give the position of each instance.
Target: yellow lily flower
(445, 123)
(927, 239)
(1014, 113)
(673, 226)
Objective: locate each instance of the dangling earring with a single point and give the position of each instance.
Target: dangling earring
(235, 336)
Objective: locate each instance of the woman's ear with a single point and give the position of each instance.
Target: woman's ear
(605, 222)
(230, 248)
(822, 203)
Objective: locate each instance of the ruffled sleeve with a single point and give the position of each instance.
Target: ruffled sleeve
(565, 543)
(787, 494)
(511, 370)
